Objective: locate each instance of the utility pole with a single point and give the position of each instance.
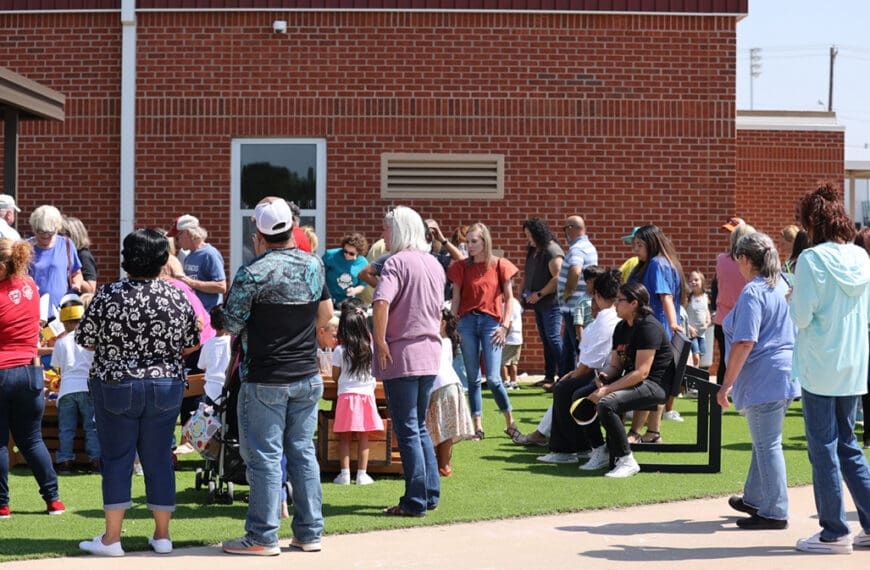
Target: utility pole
(754, 71)
(831, 79)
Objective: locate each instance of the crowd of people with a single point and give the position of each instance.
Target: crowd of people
(433, 318)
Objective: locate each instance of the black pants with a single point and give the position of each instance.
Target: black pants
(612, 407)
(566, 436)
(720, 342)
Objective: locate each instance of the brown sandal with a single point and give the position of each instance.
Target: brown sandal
(651, 437)
(634, 437)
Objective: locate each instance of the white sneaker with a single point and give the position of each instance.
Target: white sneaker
(672, 415)
(342, 479)
(626, 466)
(306, 546)
(814, 544)
(363, 478)
(599, 459)
(97, 547)
(554, 457)
(861, 539)
(160, 545)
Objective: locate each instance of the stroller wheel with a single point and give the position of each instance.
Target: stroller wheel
(198, 479)
(212, 492)
(230, 493)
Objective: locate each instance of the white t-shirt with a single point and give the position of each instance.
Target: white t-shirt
(360, 383)
(74, 363)
(214, 359)
(596, 344)
(8, 231)
(515, 335)
(446, 373)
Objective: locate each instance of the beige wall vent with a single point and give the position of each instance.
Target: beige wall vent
(447, 176)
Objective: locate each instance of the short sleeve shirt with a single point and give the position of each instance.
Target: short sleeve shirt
(206, 264)
(19, 321)
(481, 285)
(661, 278)
(581, 253)
(52, 267)
(537, 272)
(646, 334)
(138, 329)
(341, 274)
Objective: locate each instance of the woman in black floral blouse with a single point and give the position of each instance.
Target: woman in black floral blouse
(139, 328)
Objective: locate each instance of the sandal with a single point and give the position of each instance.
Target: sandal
(533, 438)
(512, 432)
(651, 437)
(400, 511)
(634, 437)
(478, 435)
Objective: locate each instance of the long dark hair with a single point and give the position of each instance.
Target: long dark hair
(639, 293)
(353, 333)
(823, 215)
(451, 324)
(659, 244)
(800, 243)
(540, 233)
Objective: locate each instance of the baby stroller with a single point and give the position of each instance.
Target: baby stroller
(224, 467)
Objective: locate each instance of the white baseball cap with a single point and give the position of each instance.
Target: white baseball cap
(273, 217)
(7, 202)
(182, 223)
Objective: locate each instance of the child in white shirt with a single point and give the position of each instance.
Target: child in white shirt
(74, 401)
(214, 358)
(513, 345)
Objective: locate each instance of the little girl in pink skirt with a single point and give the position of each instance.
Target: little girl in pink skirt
(355, 410)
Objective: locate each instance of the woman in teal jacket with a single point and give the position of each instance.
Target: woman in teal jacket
(829, 305)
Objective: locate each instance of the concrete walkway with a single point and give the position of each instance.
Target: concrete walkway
(689, 534)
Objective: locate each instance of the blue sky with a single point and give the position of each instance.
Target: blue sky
(795, 37)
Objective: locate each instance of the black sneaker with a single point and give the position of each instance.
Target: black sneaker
(757, 522)
(65, 468)
(737, 504)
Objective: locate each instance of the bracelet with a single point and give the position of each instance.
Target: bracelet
(444, 241)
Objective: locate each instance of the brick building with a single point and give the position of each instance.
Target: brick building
(620, 110)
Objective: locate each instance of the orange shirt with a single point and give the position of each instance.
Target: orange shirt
(481, 286)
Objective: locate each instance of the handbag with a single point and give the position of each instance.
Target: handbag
(201, 430)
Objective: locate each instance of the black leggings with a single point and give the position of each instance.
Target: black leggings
(720, 342)
(566, 436)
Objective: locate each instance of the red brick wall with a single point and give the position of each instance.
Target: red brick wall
(624, 119)
(776, 168)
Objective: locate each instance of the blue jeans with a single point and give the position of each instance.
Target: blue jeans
(549, 323)
(834, 451)
(138, 414)
(699, 345)
(766, 486)
(277, 420)
(69, 408)
(21, 407)
(476, 332)
(568, 358)
(408, 400)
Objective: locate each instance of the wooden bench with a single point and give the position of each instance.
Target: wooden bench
(383, 448)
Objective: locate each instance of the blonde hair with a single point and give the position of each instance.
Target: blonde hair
(703, 282)
(312, 237)
(75, 229)
(487, 242)
(15, 255)
(790, 232)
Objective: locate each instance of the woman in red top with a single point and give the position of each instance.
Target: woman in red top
(482, 289)
(21, 383)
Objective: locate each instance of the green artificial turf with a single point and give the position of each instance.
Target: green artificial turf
(492, 479)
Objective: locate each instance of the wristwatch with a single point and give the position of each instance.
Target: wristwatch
(444, 241)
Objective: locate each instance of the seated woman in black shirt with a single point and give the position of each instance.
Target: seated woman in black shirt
(635, 379)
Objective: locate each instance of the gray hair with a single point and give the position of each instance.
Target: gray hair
(740, 231)
(46, 219)
(198, 233)
(407, 230)
(761, 253)
(75, 229)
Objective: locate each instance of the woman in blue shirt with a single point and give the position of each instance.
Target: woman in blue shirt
(759, 339)
(343, 265)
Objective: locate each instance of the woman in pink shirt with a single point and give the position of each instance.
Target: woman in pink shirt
(730, 283)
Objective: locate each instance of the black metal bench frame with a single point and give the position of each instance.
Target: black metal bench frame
(708, 434)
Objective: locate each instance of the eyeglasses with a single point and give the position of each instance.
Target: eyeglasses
(46, 232)
(350, 254)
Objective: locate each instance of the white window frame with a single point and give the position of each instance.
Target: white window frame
(237, 240)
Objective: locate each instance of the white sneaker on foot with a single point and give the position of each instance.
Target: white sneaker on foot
(306, 546)
(599, 459)
(160, 545)
(672, 415)
(861, 539)
(97, 547)
(554, 457)
(814, 544)
(342, 479)
(363, 478)
(626, 466)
